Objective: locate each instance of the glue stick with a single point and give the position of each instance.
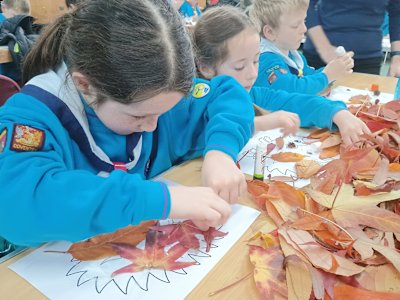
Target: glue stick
(340, 51)
(259, 164)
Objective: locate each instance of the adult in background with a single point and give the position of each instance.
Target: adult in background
(355, 25)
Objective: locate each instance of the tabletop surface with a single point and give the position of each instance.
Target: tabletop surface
(234, 265)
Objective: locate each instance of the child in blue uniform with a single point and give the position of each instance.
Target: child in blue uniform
(282, 28)
(101, 114)
(190, 9)
(232, 48)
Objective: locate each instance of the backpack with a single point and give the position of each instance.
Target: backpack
(19, 34)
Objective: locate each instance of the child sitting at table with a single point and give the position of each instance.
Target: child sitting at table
(282, 28)
(110, 102)
(226, 42)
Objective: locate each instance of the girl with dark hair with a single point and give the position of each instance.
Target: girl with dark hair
(227, 42)
(109, 102)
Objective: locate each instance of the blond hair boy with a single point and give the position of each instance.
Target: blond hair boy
(281, 24)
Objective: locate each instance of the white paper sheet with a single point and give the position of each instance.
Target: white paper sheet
(344, 93)
(61, 277)
(246, 157)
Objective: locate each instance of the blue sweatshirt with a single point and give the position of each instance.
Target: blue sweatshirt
(355, 24)
(288, 72)
(56, 158)
(186, 10)
(312, 110)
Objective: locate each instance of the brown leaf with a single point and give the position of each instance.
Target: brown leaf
(329, 152)
(287, 157)
(280, 142)
(306, 168)
(100, 246)
(346, 292)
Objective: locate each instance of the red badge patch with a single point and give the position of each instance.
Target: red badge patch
(26, 138)
(272, 78)
(282, 71)
(3, 139)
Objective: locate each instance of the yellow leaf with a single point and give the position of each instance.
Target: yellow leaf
(306, 168)
(298, 278)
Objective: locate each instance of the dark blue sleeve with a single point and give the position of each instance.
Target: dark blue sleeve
(312, 110)
(312, 14)
(394, 20)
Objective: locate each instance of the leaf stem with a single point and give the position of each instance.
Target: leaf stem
(230, 285)
(329, 221)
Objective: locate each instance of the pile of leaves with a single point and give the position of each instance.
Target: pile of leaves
(338, 237)
(164, 245)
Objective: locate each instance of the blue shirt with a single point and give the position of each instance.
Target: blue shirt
(54, 188)
(186, 10)
(355, 25)
(275, 73)
(312, 110)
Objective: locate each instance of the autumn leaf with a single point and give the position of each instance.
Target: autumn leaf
(318, 133)
(298, 278)
(210, 235)
(269, 274)
(306, 168)
(346, 292)
(287, 157)
(349, 210)
(329, 152)
(182, 232)
(152, 257)
(331, 141)
(280, 142)
(100, 246)
(303, 242)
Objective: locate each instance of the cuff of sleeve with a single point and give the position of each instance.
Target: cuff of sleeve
(156, 203)
(220, 142)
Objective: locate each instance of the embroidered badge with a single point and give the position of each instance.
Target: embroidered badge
(3, 139)
(282, 71)
(26, 138)
(200, 90)
(272, 78)
(272, 69)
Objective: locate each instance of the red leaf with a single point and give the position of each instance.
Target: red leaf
(183, 232)
(210, 235)
(153, 256)
(344, 292)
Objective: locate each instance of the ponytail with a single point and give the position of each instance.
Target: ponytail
(48, 51)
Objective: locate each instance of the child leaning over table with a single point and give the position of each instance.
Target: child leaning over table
(281, 24)
(103, 111)
(226, 42)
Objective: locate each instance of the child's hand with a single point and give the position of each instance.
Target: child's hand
(220, 173)
(289, 122)
(350, 127)
(199, 204)
(340, 66)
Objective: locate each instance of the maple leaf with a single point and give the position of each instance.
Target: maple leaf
(100, 246)
(210, 235)
(350, 211)
(306, 168)
(183, 232)
(346, 292)
(269, 274)
(287, 157)
(331, 141)
(153, 256)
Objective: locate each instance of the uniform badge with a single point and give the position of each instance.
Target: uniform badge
(3, 139)
(200, 90)
(272, 78)
(282, 71)
(26, 138)
(272, 69)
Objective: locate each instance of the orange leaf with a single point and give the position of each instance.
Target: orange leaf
(394, 167)
(269, 274)
(100, 246)
(153, 255)
(317, 134)
(332, 140)
(306, 168)
(329, 152)
(281, 190)
(287, 157)
(343, 292)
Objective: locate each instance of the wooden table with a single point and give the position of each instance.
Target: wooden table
(5, 55)
(233, 266)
